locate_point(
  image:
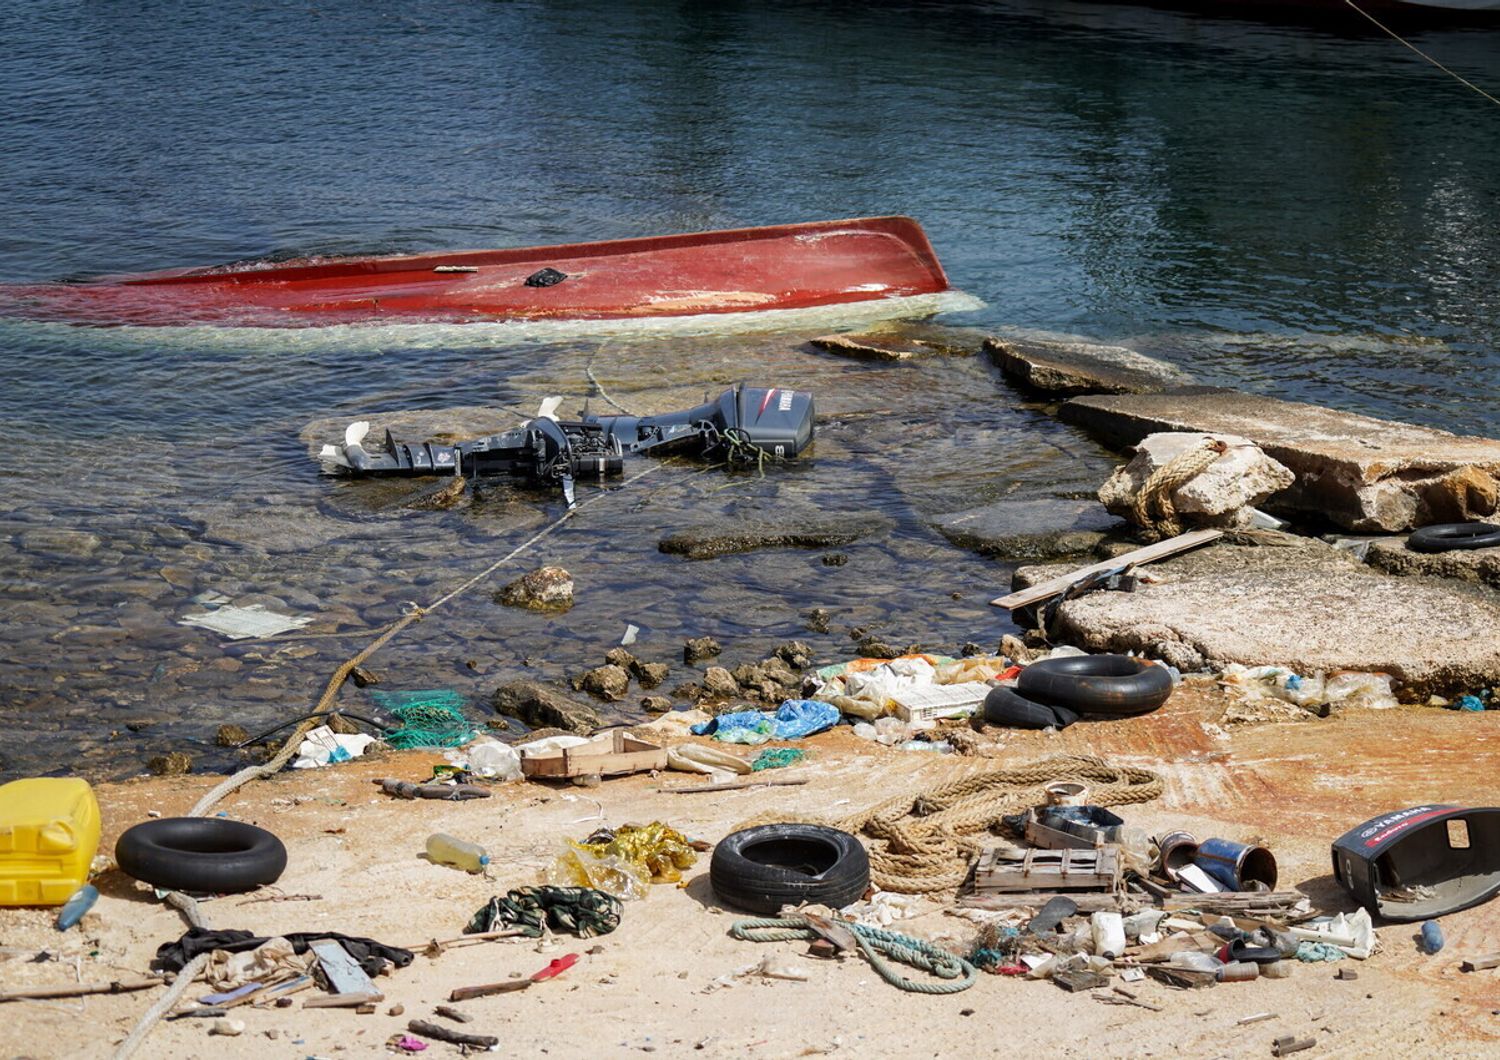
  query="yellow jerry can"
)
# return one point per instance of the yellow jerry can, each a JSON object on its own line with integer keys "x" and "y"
{"x": 49, "y": 831}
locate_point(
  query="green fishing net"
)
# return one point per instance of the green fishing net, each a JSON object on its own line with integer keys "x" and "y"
{"x": 429, "y": 718}
{"x": 777, "y": 758}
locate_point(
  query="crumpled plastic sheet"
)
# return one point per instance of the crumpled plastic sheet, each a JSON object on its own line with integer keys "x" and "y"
{"x": 1346, "y": 688}
{"x": 794, "y": 719}
{"x": 273, "y": 959}
{"x": 624, "y": 862}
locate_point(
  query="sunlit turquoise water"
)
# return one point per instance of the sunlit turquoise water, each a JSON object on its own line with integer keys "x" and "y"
{"x": 1293, "y": 210}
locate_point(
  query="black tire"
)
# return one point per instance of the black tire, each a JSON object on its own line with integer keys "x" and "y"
{"x": 1005, "y": 706}
{"x": 1117, "y": 686}
{"x": 764, "y": 868}
{"x": 207, "y": 854}
{"x": 1448, "y": 537}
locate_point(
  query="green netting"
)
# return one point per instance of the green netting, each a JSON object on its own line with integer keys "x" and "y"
{"x": 429, "y": 718}
{"x": 777, "y": 757}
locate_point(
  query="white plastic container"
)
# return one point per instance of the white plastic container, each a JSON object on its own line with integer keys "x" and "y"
{"x": 1109, "y": 934}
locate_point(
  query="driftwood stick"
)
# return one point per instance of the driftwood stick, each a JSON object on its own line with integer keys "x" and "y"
{"x": 78, "y": 990}
{"x": 433, "y": 947}
{"x": 735, "y": 785}
{"x": 443, "y": 1034}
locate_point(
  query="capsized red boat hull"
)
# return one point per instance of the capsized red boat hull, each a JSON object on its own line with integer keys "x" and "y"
{"x": 735, "y": 270}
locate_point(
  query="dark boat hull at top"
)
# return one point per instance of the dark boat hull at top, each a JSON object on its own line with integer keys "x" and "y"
{"x": 735, "y": 270}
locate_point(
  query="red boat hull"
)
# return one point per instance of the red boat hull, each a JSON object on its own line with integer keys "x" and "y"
{"x": 736, "y": 270}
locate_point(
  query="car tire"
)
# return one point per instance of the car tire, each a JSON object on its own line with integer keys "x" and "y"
{"x": 211, "y": 855}
{"x": 1117, "y": 686}
{"x": 763, "y": 868}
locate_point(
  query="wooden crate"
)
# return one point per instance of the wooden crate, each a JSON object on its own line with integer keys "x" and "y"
{"x": 609, "y": 755}
{"x": 1007, "y": 869}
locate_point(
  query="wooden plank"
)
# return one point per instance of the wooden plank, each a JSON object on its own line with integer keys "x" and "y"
{"x": 1160, "y": 550}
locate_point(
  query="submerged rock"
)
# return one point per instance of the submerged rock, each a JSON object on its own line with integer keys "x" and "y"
{"x": 733, "y": 534}
{"x": 700, "y": 648}
{"x": 1066, "y": 368}
{"x": 544, "y": 589}
{"x": 540, "y": 706}
{"x": 1305, "y": 606}
{"x": 607, "y": 682}
{"x": 1362, "y": 473}
{"x": 901, "y": 342}
{"x": 447, "y": 493}
{"x": 1030, "y": 527}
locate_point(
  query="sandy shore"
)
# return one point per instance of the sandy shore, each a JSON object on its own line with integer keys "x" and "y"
{"x": 656, "y": 984}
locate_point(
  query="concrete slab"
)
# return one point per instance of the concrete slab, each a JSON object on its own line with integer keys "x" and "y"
{"x": 1030, "y": 528}
{"x": 1363, "y": 473}
{"x": 898, "y": 341}
{"x": 1476, "y": 564}
{"x": 1304, "y": 605}
{"x": 1066, "y": 368}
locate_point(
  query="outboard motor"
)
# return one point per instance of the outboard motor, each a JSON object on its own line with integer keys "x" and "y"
{"x": 745, "y": 424}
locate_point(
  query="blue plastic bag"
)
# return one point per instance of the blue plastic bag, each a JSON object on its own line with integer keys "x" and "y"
{"x": 796, "y": 718}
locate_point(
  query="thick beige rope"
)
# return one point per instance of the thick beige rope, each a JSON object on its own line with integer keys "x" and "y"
{"x": 1152, "y": 509}
{"x": 924, "y": 840}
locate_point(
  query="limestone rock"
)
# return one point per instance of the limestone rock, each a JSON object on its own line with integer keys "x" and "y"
{"x": 1030, "y": 528}
{"x": 1364, "y": 474}
{"x": 171, "y": 764}
{"x": 1238, "y": 480}
{"x": 231, "y": 735}
{"x": 540, "y": 706}
{"x": 544, "y": 589}
{"x": 796, "y": 654}
{"x": 63, "y": 544}
{"x": 719, "y": 683}
{"x": 622, "y": 658}
{"x": 447, "y": 493}
{"x": 700, "y": 648}
{"x": 607, "y": 682}
{"x": 1306, "y": 606}
{"x": 656, "y": 704}
{"x": 649, "y": 675}
{"x": 1080, "y": 367}
{"x": 819, "y": 620}
{"x": 733, "y": 534}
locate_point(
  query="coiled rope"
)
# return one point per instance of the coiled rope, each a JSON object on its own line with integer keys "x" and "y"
{"x": 1152, "y": 508}
{"x": 872, "y": 943}
{"x": 924, "y": 840}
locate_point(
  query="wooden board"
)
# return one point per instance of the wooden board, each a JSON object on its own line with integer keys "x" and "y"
{"x": 1160, "y": 550}
{"x": 350, "y": 984}
{"x": 612, "y": 754}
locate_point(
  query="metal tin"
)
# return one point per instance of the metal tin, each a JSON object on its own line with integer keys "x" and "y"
{"x": 1176, "y": 851}
{"x": 1236, "y": 865}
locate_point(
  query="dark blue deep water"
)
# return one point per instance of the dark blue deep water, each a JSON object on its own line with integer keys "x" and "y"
{"x": 1306, "y": 211}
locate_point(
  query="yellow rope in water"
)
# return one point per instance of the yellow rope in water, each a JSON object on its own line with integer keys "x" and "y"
{"x": 1402, "y": 40}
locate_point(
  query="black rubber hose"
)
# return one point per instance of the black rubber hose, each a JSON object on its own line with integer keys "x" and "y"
{"x": 764, "y": 868}
{"x": 1113, "y": 685}
{"x": 211, "y": 855}
{"x": 1450, "y": 537}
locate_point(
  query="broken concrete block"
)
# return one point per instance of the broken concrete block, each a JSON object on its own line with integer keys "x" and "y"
{"x": 1472, "y": 564}
{"x": 1363, "y": 473}
{"x": 1303, "y": 605}
{"x": 901, "y": 342}
{"x": 1065, "y": 368}
{"x": 1221, "y": 495}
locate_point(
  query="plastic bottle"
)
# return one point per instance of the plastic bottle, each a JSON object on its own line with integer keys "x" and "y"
{"x": 445, "y": 850}
{"x": 1195, "y": 961}
{"x": 1239, "y": 972}
{"x": 1432, "y": 936}
{"x": 1277, "y": 970}
{"x": 75, "y": 907}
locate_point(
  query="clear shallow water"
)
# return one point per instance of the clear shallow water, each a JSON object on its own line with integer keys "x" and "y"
{"x": 1284, "y": 209}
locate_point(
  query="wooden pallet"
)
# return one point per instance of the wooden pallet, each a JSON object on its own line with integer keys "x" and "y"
{"x": 1007, "y": 869}
{"x": 609, "y": 755}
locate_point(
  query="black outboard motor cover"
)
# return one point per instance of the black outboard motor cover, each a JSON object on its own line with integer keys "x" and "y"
{"x": 775, "y": 420}
{"x": 1422, "y": 862}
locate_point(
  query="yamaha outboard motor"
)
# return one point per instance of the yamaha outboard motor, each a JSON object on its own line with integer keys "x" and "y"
{"x": 746, "y": 424}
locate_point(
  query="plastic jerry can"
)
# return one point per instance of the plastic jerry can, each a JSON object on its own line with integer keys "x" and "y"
{"x": 49, "y": 832}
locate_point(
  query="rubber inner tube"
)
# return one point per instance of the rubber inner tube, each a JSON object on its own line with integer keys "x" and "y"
{"x": 1112, "y": 685}
{"x": 201, "y": 854}
{"x": 1005, "y": 706}
{"x": 1448, "y": 537}
{"x": 764, "y": 868}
